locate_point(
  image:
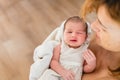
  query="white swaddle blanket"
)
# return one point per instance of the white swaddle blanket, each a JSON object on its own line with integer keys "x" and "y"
{"x": 43, "y": 53}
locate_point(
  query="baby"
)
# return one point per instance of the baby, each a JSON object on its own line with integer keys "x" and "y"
{"x": 71, "y": 57}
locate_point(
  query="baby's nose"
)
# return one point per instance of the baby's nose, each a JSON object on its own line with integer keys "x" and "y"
{"x": 73, "y": 34}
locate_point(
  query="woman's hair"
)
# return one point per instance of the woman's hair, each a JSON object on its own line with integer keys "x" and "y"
{"x": 112, "y": 6}
{"x": 76, "y": 19}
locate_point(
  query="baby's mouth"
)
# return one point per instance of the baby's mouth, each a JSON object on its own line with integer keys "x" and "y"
{"x": 73, "y": 40}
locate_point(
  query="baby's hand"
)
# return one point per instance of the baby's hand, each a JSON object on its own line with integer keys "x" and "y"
{"x": 68, "y": 75}
{"x": 90, "y": 61}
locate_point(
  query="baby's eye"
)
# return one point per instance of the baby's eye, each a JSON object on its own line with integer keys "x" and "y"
{"x": 69, "y": 32}
{"x": 79, "y": 33}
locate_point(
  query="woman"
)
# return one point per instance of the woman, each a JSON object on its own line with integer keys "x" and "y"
{"x": 106, "y": 41}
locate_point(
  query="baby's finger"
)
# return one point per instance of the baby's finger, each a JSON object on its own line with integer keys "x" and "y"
{"x": 91, "y": 54}
{"x": 85, "y": 55}
{"x": 72, "y": 75}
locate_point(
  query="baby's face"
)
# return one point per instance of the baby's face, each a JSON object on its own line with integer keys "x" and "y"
{"x": 74, "y": 34}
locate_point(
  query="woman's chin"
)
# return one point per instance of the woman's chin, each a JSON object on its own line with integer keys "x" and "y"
{"x": 94, "y": 38}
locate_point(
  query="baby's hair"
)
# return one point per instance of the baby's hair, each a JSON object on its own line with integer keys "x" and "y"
{"x": 77, "y": 19}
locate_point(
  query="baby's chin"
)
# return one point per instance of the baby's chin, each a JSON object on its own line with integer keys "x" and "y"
{"x": 73, "y": 46}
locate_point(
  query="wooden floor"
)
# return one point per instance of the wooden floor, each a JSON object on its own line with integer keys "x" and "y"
{"x": 24, "y": 24}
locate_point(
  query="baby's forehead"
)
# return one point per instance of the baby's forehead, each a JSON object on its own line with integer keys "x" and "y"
{"x": 73, "y": 25}
{"x": 82, "y": 23}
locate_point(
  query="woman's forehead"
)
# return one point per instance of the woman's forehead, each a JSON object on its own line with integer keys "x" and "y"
{"x": 105, "y": 19}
